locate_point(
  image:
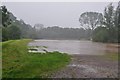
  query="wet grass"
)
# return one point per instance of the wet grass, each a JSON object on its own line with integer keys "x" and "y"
{"x": 112, "y": 56}
{"x": 18, "y": 63}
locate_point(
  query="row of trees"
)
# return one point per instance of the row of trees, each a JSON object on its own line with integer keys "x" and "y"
{"x": 104, "y": 27}
{"x": 11, "y": 28}
{"x": 97, "y": 26}
{"x": 56, "y": 32}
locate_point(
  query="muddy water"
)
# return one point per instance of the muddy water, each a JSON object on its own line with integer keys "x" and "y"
{"x": 75, "y": 46}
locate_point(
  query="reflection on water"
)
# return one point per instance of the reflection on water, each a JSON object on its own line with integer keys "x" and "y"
{"x": 74, "y": 46}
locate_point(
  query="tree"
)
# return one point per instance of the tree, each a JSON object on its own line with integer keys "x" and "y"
{"x": 38, "y": 26}
{"x": 14, "y": 32}
{"x": 119, "y": 14}
{"x": 0, "y": 33}
{"x": 111, "y": 30}
{"x": 90, "y": 19}
{"x": 0, "y": 18}
{"x": 118, "y": 21}
{"x": 100, "y": 34}
{"x": 5, "y": 34}
{"x": 10, "y": 32}
{"x": 108, "y": 16}
{"x": 5, "y": 16}
{"x": 111, "y": 22}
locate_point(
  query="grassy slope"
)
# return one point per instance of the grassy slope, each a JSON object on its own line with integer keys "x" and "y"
{"x": 18, "y": 63}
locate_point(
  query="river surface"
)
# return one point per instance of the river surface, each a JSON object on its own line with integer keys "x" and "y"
{"x": 75, "y": 46}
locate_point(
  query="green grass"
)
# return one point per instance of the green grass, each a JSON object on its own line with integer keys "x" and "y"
{"x": 18, "y": 63}
{"x": 112, "y": 56}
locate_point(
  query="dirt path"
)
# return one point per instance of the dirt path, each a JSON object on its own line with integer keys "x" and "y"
{"x": 88, "y": 66}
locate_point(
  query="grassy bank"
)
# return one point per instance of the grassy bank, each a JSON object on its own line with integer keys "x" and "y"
{"x": 18, "y": 63}
{"x": 112, "y": 56}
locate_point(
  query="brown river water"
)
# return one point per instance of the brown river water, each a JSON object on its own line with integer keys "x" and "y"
{"x": 76, "y": 46}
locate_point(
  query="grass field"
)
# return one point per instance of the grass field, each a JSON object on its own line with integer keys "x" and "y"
{"x": 18, "y": 63}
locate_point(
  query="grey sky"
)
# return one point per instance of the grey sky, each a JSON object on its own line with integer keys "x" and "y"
{"x": 64, "y": 14}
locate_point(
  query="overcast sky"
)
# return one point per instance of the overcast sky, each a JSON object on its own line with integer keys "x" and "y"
{"x": 64, "y": 14}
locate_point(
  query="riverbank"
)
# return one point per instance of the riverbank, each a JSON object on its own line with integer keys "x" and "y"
{"x": 18, "y": 63}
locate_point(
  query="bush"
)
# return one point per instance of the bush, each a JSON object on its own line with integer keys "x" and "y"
{"x": 101, "y": 34}
{"x": 10, "y": 33}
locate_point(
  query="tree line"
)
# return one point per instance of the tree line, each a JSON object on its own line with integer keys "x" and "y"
{"x": 56, "y": 32}
{"x": 96, "y": 26}
{"x": 104, "y": 27}
{"x": 11, "y": 28}
{"x": 18, "y": 29}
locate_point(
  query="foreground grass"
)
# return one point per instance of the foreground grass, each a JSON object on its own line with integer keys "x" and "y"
{"x": 112, "y": 56}
{"x": 18, "y": 63}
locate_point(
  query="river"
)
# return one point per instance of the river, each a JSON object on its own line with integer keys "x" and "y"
{"x": 75, "y": 46}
